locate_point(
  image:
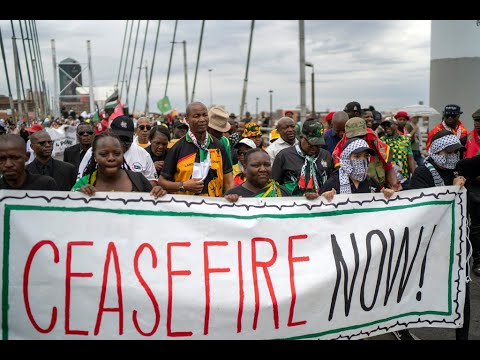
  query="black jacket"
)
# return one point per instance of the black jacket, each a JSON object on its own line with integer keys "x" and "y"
{"x": 73, "y": 155}
{"x": 64, "y": 174}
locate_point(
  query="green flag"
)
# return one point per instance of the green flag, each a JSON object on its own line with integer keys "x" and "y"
{"x": 96, "y": 117}
{"x": 164, "y": 105}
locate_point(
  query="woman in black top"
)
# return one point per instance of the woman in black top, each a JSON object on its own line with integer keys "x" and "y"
{"x": 258, "y": 178}
{"x": 159, "y": 138}
{"x": 107, "y": 170}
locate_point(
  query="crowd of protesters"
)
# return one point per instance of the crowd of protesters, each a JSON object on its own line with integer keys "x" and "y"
{"x": 210, "y": 152}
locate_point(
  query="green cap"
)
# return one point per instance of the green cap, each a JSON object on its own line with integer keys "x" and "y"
{"x": 476, "y": 115}
{"x": 355, "y": 127}
{"x": 313, "y": 130}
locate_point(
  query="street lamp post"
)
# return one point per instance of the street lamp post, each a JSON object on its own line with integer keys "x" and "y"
{"x": 313, "y": 87}
{"x": 256, "y": 108}
{"x": 184, "y": 67}
{"x": 271, "y": 112}
{"x": 210, "y": 76}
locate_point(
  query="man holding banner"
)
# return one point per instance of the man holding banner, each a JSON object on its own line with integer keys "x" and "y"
{"x": 198, "y": 163}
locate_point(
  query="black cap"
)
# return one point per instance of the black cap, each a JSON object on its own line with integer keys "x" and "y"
{"x": 123, "y": 126}
{"x": 353, "y": 106}
{"x": 377, "y": 116}
{"x": 452, "y": 109}
{"x": 180, "y": 123}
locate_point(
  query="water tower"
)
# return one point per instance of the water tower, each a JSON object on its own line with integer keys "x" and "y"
{"x": 455, "y": 66}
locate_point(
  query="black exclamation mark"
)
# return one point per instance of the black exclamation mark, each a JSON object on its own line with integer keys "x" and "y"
{"x": 424, "y": 264}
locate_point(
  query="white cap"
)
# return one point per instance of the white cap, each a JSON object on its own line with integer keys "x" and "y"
{"x": 246, "y": 141}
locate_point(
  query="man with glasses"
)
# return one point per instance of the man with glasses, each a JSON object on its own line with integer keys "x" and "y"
{"x": 12, "y": 166}
{"x": 137, "y": 158}
{"x": 451, "y": 122}
{"x": 74, "y": 154}
{"x": 44, "y": 164}
{"x": 304, "y": 167}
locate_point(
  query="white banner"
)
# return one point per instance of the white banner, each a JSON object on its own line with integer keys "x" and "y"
{"x": 62, "y": 137}
{"x": 126, "y": 266}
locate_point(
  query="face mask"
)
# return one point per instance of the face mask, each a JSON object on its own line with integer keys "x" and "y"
{"x": 359, "y": 171}
{"x": 448, "y": 161}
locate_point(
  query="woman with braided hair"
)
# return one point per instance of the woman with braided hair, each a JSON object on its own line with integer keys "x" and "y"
{"x": 258, "y": 178}
{"x": 108, "y": 171}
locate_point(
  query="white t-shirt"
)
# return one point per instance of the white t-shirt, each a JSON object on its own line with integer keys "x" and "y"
{"x": 277, "y": 146}
{"x": 136, "y": 157}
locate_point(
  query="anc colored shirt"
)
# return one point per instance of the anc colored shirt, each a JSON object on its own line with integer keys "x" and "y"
{"x": 400, "y": 148}
{"x": 181, "y": 157}
{"x": 460, "y": 131}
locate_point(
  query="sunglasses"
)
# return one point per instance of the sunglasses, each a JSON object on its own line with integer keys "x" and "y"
{"x": 143, "y": 127}
{"x": 82, "y": 133}
{"x": 43, "y": 143}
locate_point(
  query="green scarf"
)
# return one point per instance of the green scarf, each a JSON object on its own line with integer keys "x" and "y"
{"x": 271, "y": 189}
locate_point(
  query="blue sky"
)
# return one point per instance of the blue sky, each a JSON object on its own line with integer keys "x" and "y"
{"x": 384, "y": 63}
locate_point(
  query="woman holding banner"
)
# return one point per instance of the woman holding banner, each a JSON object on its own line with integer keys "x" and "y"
{"x": 108, "y": 171}
{"x": 351, "y": 176}
{"x": 258, "y": 178}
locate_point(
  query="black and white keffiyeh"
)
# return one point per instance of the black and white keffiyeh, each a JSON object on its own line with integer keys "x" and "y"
{"x": 447, "y": 161}
{"x": 357, "y": 169}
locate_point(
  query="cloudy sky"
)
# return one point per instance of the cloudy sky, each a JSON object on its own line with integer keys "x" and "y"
{"x": 384, "y": 63}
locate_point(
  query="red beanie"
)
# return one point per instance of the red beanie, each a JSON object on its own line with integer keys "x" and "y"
{"x": 329, "y": 116}
{"x": 403, "y": 114}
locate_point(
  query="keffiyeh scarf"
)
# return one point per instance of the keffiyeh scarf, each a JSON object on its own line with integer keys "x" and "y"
{"x": 447, "y": 161}
{"x": 308, "y": 179}
{"x": 356, "y": 169}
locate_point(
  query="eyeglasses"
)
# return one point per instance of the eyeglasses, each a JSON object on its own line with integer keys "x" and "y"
{"x": 241, "y": 153}
{"x": 82, "y": 133}
{"x": 142, "y": 127}
{"x": 43, "y": 143}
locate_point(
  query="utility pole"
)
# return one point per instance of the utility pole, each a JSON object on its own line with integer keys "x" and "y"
{"x": 151, "y": 69}
{"x": 34, "y": 91}
{"x": 245, "y": 81}
{"x": 10, "y": 98}
{"x": 121, "y": 56}
{"x": 301, "y": 28}
{"x": 34, "y": 68}
{"x": 271, "y": 111}
{"x": 14, "y": 38}
{"x": 256, "y": 108}
{"x": 313, "y": 88}
{"x": 198, "y": 61}
{"x": 171, "y": 55}
{"x": 210, "y": 77}
{"x": 140, "y": 67}
{"x": 147, "y": 110}
{"x": 17, "y": 79}
{"x": 90, "y": 75}
{"x": 56, "y": 102}
{"x": 184, "y": 68}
